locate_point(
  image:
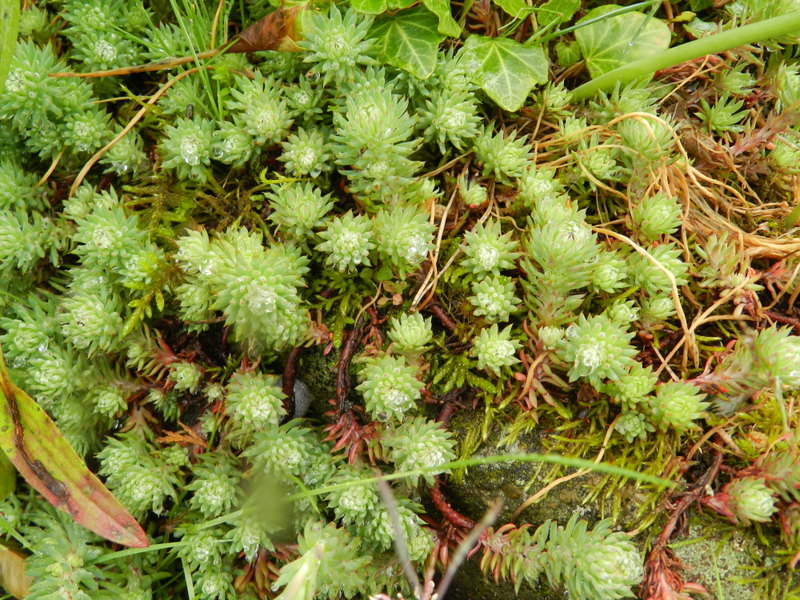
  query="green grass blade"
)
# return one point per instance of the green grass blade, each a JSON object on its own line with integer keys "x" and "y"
{"x": 9, "y": 26}
{"x": 557, "y": 459}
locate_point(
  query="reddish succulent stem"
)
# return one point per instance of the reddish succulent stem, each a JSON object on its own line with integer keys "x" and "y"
{"x": 688, "y": 499}
{"x": 225, "y": 332}
{"x": 446, "y": 413}
{"x": 289, "y": 376}
{"x": 375, "y": 321}
{"x": 786, "y": 320}
{"x": 662, "y": 579}
{"x": 449, "y": 404}
{"x": 351, "y": 339}
{"x": 451, "y": 514}
{"x": 440, "y": 313}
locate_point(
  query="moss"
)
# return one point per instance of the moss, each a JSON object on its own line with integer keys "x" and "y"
{"x": 471, "y": 584}
{"x": 514, "y": 482}
{"x": 729, "y": 561}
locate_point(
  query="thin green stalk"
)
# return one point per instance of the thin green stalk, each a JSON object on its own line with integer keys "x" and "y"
{"x": 187, "y": 575}
{"x": 567, "y": 461}
{"x": 719, "y": 42}
{"x": 106, "y": 558}
{"x": 111, "y": 556}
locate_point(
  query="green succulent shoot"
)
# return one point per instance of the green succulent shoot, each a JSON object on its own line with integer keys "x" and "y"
{"x": 677, "y": 405}
{"x": 744, "y": 500}
{"x": 494, "y": 298}
{"x": 187, "y": 148}
{"x": 537, "y": 183}
{"x": 495, "y": 349}
{"x": 411, "y": 334}
{"x": 633, "y": 425}
{"x": 419, "y": 444}
{"x": 751, "y": 500}
{"x": 472, "y": 193}
{"x": 504, "y": 157}
{"x": 403, "y": 236}
{"x": 257, "y": 288}
{"x": 598, "y": 349}
{"x": 254, "y": 401}
{"x": 306, "y": 153}
{"x": 591, "y": 563}
{"x": 259, "y": 109}
{"x": 298, "y": 209}
{"x": 390, "y": 387}
{"x": 487, "y": 250}
{"x": 649, "y": 140}
{"x": 347, "y": 241}
{"x": 336, "y": 45}
{"x": 723, "y": 116}
{"x": 656, "y": 216}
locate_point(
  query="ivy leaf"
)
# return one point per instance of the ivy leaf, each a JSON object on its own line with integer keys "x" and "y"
{"x": 620, "y": 39}
{"x": 371, "y": 7}
{"x": 35, "y": 446}
{"x": 559, "y": 11}
{"x": 506, "y": 70}
{"x": 516, "y": 8}
{"x": 447, "y": 24}
{"x": 9, "y": 25}
{"x": 376, "y": 7}
{"x": 409, "y": 40}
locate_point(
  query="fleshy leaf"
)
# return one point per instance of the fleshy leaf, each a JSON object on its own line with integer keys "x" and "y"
{"x": 447, "y": 24}
{"x": 49, "y": 464}
{"x": 621, "y": 39}
{"x": 12, "y": 573}
{"x": 506, "y": 70}
{"x": 409, "y": 40}
{"x": 9, "y": 25}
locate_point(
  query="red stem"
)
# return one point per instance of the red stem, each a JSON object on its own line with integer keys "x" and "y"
{"x": 289, "y": 376}
{"x": 351, "y": 339}
{"x": 451, "y": 514}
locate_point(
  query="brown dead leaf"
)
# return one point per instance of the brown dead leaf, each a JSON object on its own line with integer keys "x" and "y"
{"x": 276, "y": 31}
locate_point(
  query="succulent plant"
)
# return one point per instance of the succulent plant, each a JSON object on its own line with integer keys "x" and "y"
{"x": 410, "y": 333}
{"x": 390, "y": 387}
{"x": 744, "y": 500}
